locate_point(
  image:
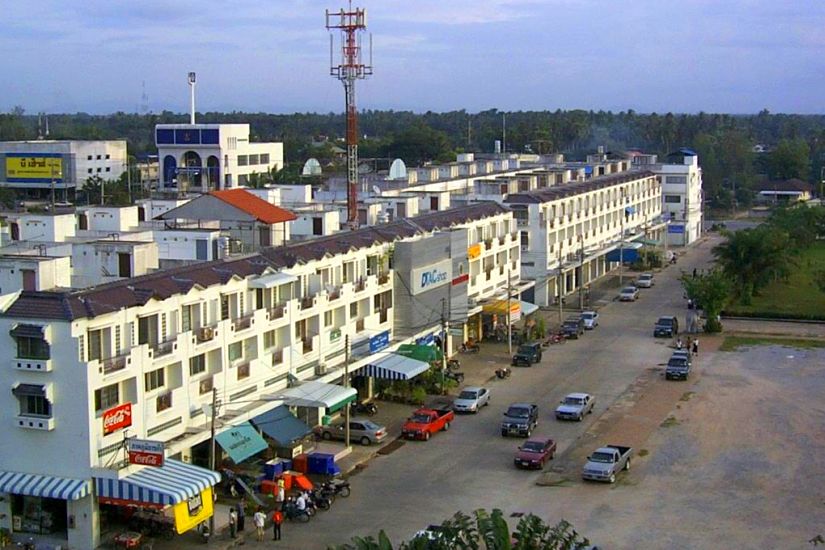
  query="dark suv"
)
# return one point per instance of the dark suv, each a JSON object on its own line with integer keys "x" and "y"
{"x": 573, "y": 327}
{"x": 520, "y": 419}
{"x": 667, "y": 326}
{"x": 527, "y": 354}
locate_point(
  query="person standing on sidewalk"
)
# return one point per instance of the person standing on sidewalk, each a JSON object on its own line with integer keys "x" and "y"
{"x": 233, "y": 523}
{"x": 281, "y": 494}
{"x": 241, "y": 509}
{"x": 696, "y": 347}
{"x": 277, "y": 520}
{"x": 260, "y": 519}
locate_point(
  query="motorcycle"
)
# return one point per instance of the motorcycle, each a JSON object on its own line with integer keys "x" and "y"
{"x": 503, "y": 372}
{"x": 204, "y": 532}
{"x": 453, "y": 364}
{"x": 457, "y": 376}
{"x": 292, "y": 513}
{"x": 359, "y": 407}
{"x": 338, "y": 487}
{"x": 321, "y": 500}
{"x": 469, "y": 347}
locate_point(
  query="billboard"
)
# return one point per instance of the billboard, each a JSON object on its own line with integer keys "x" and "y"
{"x": 145, "y": 452}
{"x": 34, "y": 167}
{"x": 430, "y": 277}
{"x": 117, "y": 418}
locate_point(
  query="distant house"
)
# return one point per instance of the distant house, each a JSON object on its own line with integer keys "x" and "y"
{"x": 784, "y": 191}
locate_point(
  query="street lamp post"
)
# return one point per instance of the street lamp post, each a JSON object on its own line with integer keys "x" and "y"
{"x": 621, "y": 241}
{"x": 581, "y": 273}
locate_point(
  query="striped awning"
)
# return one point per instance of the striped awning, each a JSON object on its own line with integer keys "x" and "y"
{"x": 35, "y": 485}
{"x": 391, "y": 366}
{"x": 172, "y": 483}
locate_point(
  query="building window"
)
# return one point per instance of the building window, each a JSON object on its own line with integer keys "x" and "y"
{"x": 99, "y": 169}
{"x": 35, "y": 405}
{"x": 108, "y": 157}
{"x": 243, "y": 179}
{"x": 243, "y": 371}
{"x": 353, "y": 310}
{"x": 89, "y": 157}
{"x": 525, "y": 240}
{"x": 676, "y": 179}
{"x": 108, "y": 169}
{"x": 107, "y": 397}
{"x": 32, "y": 348}
{"x": 90, "y": 170}
{"x": 327, "y": 318}
{"x": 224, "y": 307}
{"x": 265, "y": 158}
{"x": 197, "y": 364}
{"x": 186, "y": 318}
{"x": 673, "y": 199}
{"x": 243, "y": 160}
{"x": 164, "y": 402}
{"x": 95, "y": 345}
{"x": 205, "y": 386}
{"x": 98, "y": 157}
{"x": 269, "y": 339}
{"x": 253, "y": 160}
{"x": 235, "y": 351}
{"x": 154, "y": 379}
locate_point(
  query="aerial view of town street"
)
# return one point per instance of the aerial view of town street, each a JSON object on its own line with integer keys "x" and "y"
{"x": 412, "y": 275}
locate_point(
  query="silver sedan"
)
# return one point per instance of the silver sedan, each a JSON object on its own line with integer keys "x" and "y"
{"x": 471, "y": 399}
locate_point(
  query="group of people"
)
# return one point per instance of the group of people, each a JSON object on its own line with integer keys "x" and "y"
{"x": 237, "y": 520}
{"x": 692, "y": 345}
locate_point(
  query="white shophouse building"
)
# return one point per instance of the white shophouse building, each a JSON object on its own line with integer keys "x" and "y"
{"x": 681, "y": 179}
{"x": 141, "y": 358}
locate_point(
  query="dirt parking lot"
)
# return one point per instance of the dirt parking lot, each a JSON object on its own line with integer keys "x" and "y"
{"x": 739, "y": 463}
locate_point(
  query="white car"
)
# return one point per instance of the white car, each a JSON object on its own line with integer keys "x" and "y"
{"x": 575, "y": 406}
{"x": 645, "y": 280}
{"x": 591, "y": 319}
{"x": 471, "y": 399}
{"x": 629, "y": 294}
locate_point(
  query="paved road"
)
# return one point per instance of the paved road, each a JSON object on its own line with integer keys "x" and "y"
{"x": 470, "y": 466}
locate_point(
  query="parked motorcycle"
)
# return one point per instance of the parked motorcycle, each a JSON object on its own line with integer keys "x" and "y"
{"x": 321, "y": 499}
{"x": 292, "y": 513}
{"x": 453, "y": 364}
{"x": 204, "y": 532}
{"x": 503, "y": 372}
{"x": 469, "y": 347}
{"x": 339, "y": 487}
{"x": 457, "y": 376}
{"x": 359, "y": 407}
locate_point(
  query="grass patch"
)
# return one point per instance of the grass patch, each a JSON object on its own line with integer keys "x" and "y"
{"x": 669, "y": 422}
{"x": 797, "y": 298}
{"x": 643, "y": 453}
{"x": 687, "y": 395}
{"x": 734, "y": 343}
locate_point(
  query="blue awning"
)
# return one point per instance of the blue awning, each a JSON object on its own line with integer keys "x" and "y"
{"x": 241, "y": 442}
{"x": 281, "y": 425}
{"x": 169, "y": 484}
{"x": 35, "y": 485}
{"x": 391, "y": 366}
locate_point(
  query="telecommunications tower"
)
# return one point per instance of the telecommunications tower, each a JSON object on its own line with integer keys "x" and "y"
{"x": 349, "y": 69}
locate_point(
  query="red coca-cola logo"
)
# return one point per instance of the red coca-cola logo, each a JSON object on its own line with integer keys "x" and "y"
{"x": 146, "y": 459}
{"x": 117, "y": 418}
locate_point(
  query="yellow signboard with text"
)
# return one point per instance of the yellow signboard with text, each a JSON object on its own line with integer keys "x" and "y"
{"x": 43, "y": 167}
{"x": 474, "y": 251}
{"x": 190, "y": 513}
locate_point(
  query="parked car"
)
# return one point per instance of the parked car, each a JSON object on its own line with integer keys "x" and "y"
{"x": 573, "y": 327}
{"x": 362, "y": 430}
{"x": 535, "y": 453}
{"x": 645, "y": 280}
{"x": 678, "y": 368}
{"x": 520, "y": 419}
{"x": 471, "y": 399}
{"x": 684, "y": 354}
{"x": 425, "y": 422}
{"x": 591, "y": 319}
{"x": 667, "y": 325}
{"x": 605, "y": 463}
{"x": 629, "y": 294}
{"x": 527, "y": 354}
{"x": 575, "y": 406}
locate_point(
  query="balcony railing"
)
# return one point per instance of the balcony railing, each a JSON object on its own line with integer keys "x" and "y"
{"x": 275, "y": 312}
{"x": 242, "y": 323}
{"x": 205, "y": 334}
{"x": 277, "y": 357}
{"x": 488, "y": 244}
{"x": 307, "y": 302}
{"x": 164, "y": 402}
{"x": 334, "y": 294}
{"x": 502, "y": 240}
{"x": 383, "y": 278}
{"x": 307, "y": 345}
{"x": 114, "y": 364}
{"x": 359, "y": 325}
{"x": 360, "y": 285}
{"x": 163, "y": 348}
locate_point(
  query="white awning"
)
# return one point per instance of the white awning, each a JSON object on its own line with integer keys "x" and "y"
{"x": 392, "y": 366}
{"x": 272, "y": 280}
{"x": 317, "y": 394}
{"x": 527, "y": 308}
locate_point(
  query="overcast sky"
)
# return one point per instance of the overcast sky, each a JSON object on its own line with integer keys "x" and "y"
{"x": 736, "y": 56}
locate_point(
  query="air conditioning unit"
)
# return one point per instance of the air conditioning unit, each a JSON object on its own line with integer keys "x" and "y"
{"x": 206, "y": 333}
{"x": 320, "y": 369}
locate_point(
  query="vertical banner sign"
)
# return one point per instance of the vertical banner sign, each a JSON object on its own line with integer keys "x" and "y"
{"x": 117, "y": 418}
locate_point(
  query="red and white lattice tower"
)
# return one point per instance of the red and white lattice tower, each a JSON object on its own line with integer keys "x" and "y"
{"x": 349, "y": 69}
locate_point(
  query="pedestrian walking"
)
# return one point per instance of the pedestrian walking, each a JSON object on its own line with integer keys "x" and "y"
{"x": 694, "y": 272}
{"x": 277, "y": 520}
{"x": 233, "y": 523}
{"x": 279, "y": 499}
{"x": 260, "y": 519}
{"x": 679, "y": 343}
{"x": 689, "y": 345}
{"x": 241, "y": 508}
{"x": 696, "y": 347}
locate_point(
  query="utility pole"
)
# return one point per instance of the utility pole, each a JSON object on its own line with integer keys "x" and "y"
{"x": 348, "y": 70}
{"x": 621, "y": 242}
{"x": 53, "y": 191}
{"x": 129, "y": 180}
{"x": 558, "y": 286}
{"x": 509, "y": 319}
{"x": 443, "y": 341}
{"x": 581, "y": 273}
{"x": 346, "y": 385}
{"x": 212, "y": 446}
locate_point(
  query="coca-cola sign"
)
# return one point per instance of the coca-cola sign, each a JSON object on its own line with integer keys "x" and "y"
{"x": 145, "y": 452}
{"x": 117, "y": 418}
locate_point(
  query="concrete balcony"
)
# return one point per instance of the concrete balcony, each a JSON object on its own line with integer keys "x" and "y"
{"x": 243, "y": 323}
{"x": 306, "y": 303}
{"x": 383, "y": 278}
{"x": 276, "y": 312}
{"x": 205, "y": 334}
{"x": 32, "y": 365}
{"x": 162, "y": 349}
{"x": 114, "y": 364}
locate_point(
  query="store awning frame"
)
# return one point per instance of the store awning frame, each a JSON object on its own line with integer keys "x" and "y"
{"x": 169, "y": 484}
{"x": 312, "y": 393}
{"x": 281, "y": 425}
{"x": 36, "y": 485}
{"x": 391, "y": 366}
{"x": 241, "y": 441}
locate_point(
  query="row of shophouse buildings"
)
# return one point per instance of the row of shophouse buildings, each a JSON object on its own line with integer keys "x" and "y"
{"x": 98, "y": 379}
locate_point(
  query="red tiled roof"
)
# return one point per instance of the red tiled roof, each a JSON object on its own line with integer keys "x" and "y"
{"x": 254, "y": 206}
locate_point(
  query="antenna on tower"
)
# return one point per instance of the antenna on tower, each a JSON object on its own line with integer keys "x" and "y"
{"x": 191, "y": 98}
{"x": 39, "y": 125}
{"x": 349, "y": 69}
{"x": 144, "y": 100}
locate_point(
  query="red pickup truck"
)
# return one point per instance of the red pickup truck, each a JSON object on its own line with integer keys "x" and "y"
{"x": 425, "y": 422}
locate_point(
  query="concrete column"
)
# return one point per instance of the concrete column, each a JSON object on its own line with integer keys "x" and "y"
{"x": 85, "y": 514}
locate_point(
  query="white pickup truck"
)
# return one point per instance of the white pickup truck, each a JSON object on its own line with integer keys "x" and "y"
{"x": 606, "y": 462}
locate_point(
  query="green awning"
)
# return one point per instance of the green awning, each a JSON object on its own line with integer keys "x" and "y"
{"x": 428, "y": 354}
{"x": 648, "y": 242}
{"x": 241, "y": 442}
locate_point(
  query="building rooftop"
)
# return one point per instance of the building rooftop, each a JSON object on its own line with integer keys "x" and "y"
{"x": 253, "y": 205}
{"x": 792, "y": 185}
{"x": 575, "y": 188}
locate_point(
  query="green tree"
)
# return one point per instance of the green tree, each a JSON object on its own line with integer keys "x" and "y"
{"x": 712, "y": 290}
{"x": 789, "y": 160}
{"x": 752, "y": 258}
{"x": 483, "y": 530}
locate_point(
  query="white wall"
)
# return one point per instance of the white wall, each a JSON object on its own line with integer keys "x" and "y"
{"x": 182, "y": 244}
{"x": 44, "y": 228}
{"x": 110, "y": 218}
{"x": 49, "y": 273}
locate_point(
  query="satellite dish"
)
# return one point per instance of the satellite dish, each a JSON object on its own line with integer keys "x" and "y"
{"x": 311, "y": 168}
{"x": 398, "y": 170}
{"x": 376, "y": 190}
{"x": 364, "y": 168}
